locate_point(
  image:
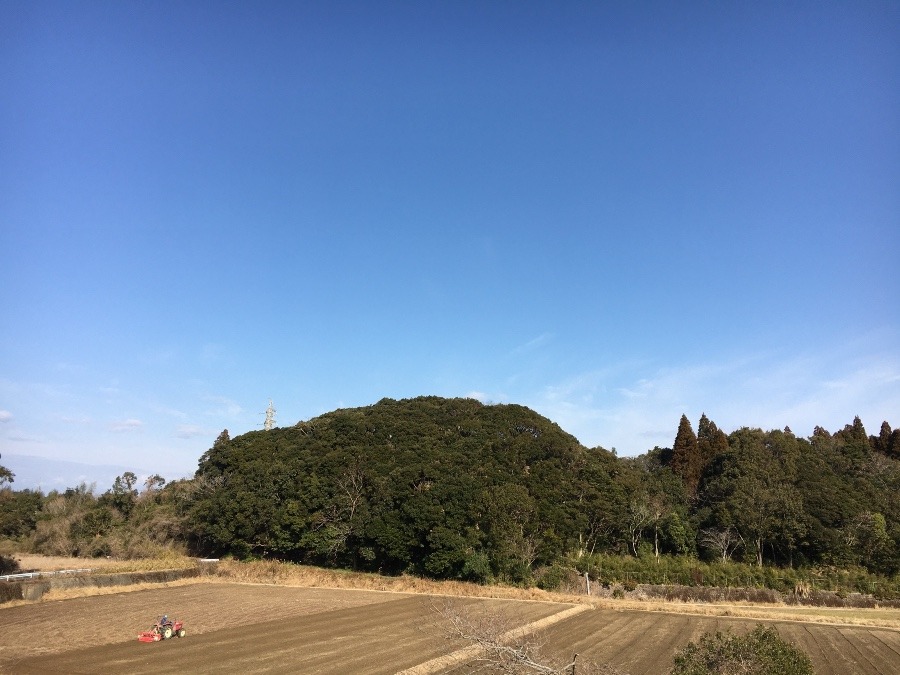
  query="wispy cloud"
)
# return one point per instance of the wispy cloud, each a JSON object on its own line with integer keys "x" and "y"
{"x": 111, "y": 388}
{"x": 5, "y": 416}
{"x": 75, "y": 419}
{"x": 171, "y": 412}
{"x": 192, "y": 431}
{"x": 637, "y": 408}
{"x": 533, "y": 344}
{"x": 126, "y": 425}
{"x": 224, "y": 407}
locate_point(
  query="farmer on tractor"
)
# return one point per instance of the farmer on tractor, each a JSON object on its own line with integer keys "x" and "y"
{"x": 163, "y": 629}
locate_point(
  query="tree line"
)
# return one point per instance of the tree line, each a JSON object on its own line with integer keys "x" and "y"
{"x": 455, "y": 489}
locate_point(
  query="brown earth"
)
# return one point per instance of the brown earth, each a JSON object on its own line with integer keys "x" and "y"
{"x": 645, "y": 642}
{"x": 248, "y": 628}
{"x": 252, "y": 628}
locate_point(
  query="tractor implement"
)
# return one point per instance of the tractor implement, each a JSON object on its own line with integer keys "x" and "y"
{"x": 163, "y": 629}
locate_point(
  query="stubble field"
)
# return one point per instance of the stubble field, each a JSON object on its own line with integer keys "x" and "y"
{"x": 257, "y": 628}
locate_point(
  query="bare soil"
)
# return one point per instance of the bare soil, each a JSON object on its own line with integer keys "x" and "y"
{"x": 645, "y": 642}
{"x": 255, "y": 628}
{"x": 246, "y": 628}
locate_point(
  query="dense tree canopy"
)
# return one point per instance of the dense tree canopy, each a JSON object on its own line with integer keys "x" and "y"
{"x": 448, "y": 488}
{"x": 453, "y": 488}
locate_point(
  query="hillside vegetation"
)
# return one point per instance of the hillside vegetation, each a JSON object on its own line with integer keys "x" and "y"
{"x": 455, "y": 489}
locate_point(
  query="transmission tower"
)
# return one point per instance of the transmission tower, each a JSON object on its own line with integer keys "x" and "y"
{"x": 269, "y": 424}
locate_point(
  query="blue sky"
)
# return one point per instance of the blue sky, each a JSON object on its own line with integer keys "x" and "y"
{"x": 613, "y": 213}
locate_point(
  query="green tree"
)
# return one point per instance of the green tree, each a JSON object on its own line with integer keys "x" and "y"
{"x": 853, "y": 442}
{"x": 760, "y": 652}
{"x": 687, "y": 462}
{"x": 603, "y": 485}
{"x": 154, "y": 484}
{"x": 866, "y": 535}
{"x": 750, "y": 492}
{"x": 711, "y": 441}
{"x": 58, "y": 522}
{"x": 887, "y": 442}
{"x": 6, "y": 476}
{"x": 19, "y": 511}
{"x": 123, "y": 494}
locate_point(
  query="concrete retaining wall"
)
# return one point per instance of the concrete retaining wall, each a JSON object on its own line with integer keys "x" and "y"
{"x": 33, "y": 590}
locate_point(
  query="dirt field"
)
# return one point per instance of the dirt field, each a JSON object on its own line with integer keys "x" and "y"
{"x": 644, "y": 642}
{"x": 252, "y": 628}
{"x": 237, "y": 627}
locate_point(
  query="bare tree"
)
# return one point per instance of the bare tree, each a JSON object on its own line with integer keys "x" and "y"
{"x": 337, "y": 522}
{"x": 154, "y": 484}
{"x": 639, "y": 516}
{"x": 723, "y": 542}
{"x": 498, "y": 643}
{"x": 658, "y": 509}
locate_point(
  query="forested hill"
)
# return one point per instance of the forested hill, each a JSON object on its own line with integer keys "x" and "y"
{"x": 448, "y": 487}
{"x": 455, "y": 488}
{"x": 452, "y": 488}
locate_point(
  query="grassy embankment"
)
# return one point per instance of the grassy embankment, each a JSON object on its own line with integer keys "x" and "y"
{"x": 270, "y": 572}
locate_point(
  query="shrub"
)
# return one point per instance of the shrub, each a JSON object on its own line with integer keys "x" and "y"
{"x": 8, "y": 565}
{"x": 558, "y": 578}
{"x": 686, "y": 571}
{"x": 477, "y": 568}
{"x": 760, "y": 652}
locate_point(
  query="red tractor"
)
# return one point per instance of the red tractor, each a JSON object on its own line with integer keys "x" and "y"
{"x": 163, "y": 629}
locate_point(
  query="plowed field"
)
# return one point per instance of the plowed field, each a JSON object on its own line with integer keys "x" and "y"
{"x": 276, "y": 629}
{"x": 644, "y": 642}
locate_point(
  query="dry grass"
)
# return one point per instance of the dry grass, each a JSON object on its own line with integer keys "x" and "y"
{"x": 46, "y": 563}
{"x": 91, "y": 591}
{"x": 286, "y": 574}
{"x": 270, "y": 572}
{"x": 882, "y": 618}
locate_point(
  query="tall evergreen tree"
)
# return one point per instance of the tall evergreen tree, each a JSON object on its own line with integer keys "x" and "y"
{"x": 711, "y": 440}
{"x": 893, "y": 446}
{"x": 686, "y": 460}
{"x": 854, "y": 443}
{"x": 887, "y": 441}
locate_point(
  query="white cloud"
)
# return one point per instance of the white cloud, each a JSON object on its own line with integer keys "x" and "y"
{"x": 172, "y": 412}
{"x": 5, "y": 416}
{"x": 79, "y": 419}
{"x": 126, "y": 425}
{"x": 635, "y": 408}
{"x": 192, "y": 431}
{"x": 225, "y": 407}
{"x": 533, "y": 344}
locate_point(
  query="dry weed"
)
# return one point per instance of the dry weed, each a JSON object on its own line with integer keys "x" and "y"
{"x": 44, "y": 563}
{"x": 288, "y": 574}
